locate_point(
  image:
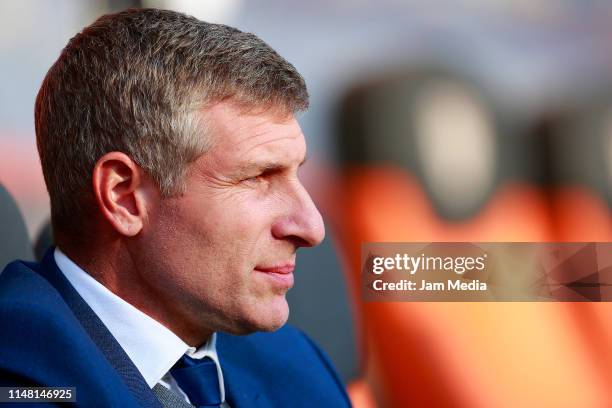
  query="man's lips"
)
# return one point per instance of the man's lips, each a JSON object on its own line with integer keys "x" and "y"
{"x": 281, "y": 269}
{"x": 281, "y": 274}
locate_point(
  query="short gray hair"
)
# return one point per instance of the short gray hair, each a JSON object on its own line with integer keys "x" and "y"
{"x": 133, "y": 82}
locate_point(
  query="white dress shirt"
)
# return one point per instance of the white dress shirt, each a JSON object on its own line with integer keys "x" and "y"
{"x": 152, "y": 347}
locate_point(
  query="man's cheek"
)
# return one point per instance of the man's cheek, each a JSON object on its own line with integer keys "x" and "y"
{"x": 249, "y": 218}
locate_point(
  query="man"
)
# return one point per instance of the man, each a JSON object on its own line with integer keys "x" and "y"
{"x": 170, "y": 151}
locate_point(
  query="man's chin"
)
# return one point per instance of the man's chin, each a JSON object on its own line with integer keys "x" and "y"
{"x": 264, "y": 319}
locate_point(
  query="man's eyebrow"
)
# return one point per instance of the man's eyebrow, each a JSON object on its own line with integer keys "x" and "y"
{"x": 266, "y": 167}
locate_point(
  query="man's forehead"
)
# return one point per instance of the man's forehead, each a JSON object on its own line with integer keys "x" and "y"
{"x": 255, "y": 139}
{"x": 263, "y": 153}
{"x": 229, "y": 117}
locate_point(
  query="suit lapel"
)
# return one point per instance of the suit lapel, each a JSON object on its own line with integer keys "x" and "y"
{"x": 98, "y": 333}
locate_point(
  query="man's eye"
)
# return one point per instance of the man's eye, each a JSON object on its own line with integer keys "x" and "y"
{"x": 261, "y": 178}
{"x": 255, "y": 179}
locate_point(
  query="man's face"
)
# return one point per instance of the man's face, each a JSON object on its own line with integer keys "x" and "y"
{"x": 222, "y": 254}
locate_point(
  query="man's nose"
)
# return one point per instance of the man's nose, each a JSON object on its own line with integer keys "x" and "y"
{"x": 302, "y": 223}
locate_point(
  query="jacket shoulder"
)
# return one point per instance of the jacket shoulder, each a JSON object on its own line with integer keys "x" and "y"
{"x": 30, "y": 306}
{"x": 21, "y": 284}
{"x": 43, "y": 343}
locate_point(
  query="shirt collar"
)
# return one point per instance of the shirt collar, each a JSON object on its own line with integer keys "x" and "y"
{"x": 151, "y": 346}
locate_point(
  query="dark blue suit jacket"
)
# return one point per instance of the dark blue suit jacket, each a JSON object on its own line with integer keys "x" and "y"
{"x": 49, "y": 336}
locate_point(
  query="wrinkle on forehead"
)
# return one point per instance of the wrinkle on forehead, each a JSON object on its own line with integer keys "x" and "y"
{"x": 229, "y": 118}
{"x": 266, "y": 136}
{"x": 271, "y": 143}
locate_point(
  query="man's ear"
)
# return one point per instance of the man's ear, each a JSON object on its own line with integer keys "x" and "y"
{"x": 119, "y": 185}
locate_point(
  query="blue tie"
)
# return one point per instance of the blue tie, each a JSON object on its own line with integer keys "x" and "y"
{"x": 199, "y": 380}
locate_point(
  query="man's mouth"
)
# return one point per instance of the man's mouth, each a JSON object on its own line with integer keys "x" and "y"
{"x": 281, "y": 274}
{"x": 280, "y": 268}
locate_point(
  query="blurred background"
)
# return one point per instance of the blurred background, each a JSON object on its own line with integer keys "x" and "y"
{"x": 465, "y": 120}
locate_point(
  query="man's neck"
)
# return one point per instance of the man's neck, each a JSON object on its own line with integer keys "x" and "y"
{"x": 117, "y": 271}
